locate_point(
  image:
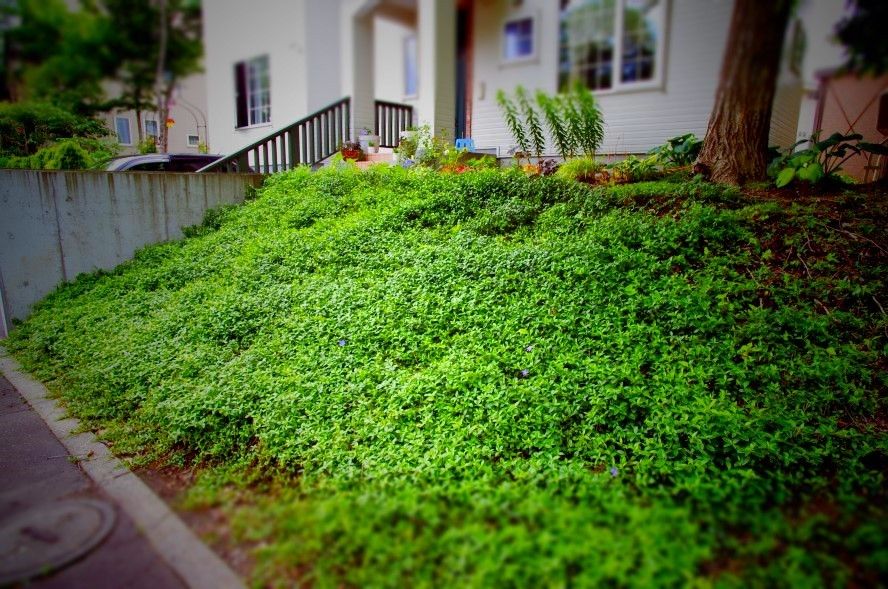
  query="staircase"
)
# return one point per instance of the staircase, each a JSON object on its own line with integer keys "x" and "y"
{"x": 311, "y": 140}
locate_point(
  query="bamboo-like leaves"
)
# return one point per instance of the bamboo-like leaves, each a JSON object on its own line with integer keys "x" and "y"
{"x": 573, "y": 120}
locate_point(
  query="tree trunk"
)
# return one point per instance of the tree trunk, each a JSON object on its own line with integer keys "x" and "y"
{"x": 163, "y": 98}
{"x": 736, "y": 143}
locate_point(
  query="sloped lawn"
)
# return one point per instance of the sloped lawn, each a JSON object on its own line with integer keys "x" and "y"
{"x": 406, "y": 379}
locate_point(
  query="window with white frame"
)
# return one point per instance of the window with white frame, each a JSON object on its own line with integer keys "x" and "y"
{"x": 611, "y": 44}
{"x": 151, "y": 129}
{"x": 252, "y": 91}
{"x": 193, "y": 141}
{"x": 122, "y": 126}
{"x": 518, "y": 41}
{"x": 411, "y": 77}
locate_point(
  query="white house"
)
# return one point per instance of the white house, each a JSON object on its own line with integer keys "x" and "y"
{"x": 653, "y": 64}
{"x": 188, "y": 130}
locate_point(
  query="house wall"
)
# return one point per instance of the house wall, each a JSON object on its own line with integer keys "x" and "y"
{"x": 56, "y": 225}
{"x": 635, "y": 121}
{"x": 189, "y": 111}
{"x": 234, "y": 31}
{"x": 388, "y": 60}
{"x": 323, "y": 84}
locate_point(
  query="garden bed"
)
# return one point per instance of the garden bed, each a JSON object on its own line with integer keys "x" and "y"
{"x": 405, "y": 378}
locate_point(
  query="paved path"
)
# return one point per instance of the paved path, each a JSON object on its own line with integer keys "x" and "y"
{"x": 36, "y": 469}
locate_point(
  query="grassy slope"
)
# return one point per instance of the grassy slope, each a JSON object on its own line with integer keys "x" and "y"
{"x": 702, "y": 397}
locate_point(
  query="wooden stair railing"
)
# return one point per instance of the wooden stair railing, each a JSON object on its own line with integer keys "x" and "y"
{"x": 391, "y": 119}
{"x": 308, "y": 141}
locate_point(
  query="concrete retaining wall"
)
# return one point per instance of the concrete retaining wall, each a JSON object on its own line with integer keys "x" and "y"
{"x": 56, "y": 225}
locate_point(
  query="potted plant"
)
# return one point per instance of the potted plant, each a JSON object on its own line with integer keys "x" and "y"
{"x": 368, "y": 140}
{"x": 351, "y": 150}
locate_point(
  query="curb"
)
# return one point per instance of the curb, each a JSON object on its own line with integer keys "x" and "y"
{"x": 174, "y": 541}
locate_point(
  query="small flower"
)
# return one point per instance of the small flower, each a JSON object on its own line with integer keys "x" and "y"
{"x": 341, "y": 343}
{"x": 614, "y": 471}
{"x": 529, "y": 348}
{"x": 525, "y": 373}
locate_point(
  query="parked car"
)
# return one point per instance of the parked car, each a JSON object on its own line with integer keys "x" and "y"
{"x": 161, "y": 162}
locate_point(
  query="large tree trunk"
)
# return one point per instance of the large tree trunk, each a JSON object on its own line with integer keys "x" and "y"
{"x": 736, "y": 144}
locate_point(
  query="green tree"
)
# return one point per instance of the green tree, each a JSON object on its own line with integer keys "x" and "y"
{"x": 158, "y": 43}
{"x": 59, "y": 56}
{"x": 865, "y": 40}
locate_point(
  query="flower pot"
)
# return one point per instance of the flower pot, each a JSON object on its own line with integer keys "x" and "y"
{"x": 369, "y": 143}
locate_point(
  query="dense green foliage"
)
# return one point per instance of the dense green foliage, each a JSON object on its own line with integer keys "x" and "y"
{"x": 75, "y": 153}
{"x": 681, "y": 150}
{"x": 25, "y": 127}
{"x": 488, "y": 379}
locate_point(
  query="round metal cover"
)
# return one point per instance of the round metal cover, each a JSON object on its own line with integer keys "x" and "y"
{"x": 47, "y": 537}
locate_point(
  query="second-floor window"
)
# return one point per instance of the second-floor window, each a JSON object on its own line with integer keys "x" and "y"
{"x": 122, "y": 126}
{"x": 252, "y": 91}
{"x": 611, "y": 44}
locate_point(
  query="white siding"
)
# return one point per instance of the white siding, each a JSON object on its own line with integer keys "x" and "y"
{"x": 635, "y": 121}
{"x": 388, "y": 60}
{"x": 235, "y": 31}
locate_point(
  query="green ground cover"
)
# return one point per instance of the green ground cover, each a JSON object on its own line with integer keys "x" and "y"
{"x": 404, "y": 378}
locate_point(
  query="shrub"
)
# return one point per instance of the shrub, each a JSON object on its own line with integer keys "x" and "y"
{"x": 820, "y": 162}
{"x": 574, "y": 121}
{"x": 26, "y": 126}
{"x": 583, "y": 169}
{"x": 679, "y": 151}
{"x": 635, "y": 169}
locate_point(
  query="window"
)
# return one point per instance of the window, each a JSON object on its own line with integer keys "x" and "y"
{"x": 193, "y": 140}
{"x": 518, "y": 39}
{"x": 151, "y": 129}
{"x": 411, "y": 79}
{"x": 122, "y": 125}
{"x": 611, "y": 44}
{"x": 252, "y": 92}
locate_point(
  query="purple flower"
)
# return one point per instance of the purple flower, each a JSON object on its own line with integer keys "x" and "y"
{"x": 529, "y": 348}
{"x": 341, "y": 343}
{"x": 614, "y": 471}
{"x": 525, "y": 373}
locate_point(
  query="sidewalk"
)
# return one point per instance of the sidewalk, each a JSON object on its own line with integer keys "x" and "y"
{"x": 63, "y": 495}
{"x": 37, "y": 471}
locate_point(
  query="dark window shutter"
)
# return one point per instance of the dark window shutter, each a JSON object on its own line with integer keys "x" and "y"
{"x": 240, "y": 93}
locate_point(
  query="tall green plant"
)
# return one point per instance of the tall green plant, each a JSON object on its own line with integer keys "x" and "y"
{"x": 555, "y": 111}
{"x": 534, "y": 127}
{"x": 510, "y": 114}
{"x": 588, "y": 125}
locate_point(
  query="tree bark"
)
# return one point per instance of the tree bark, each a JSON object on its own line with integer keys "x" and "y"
{"x": 736, "y": 143}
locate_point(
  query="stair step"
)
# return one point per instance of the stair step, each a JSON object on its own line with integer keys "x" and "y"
{"x": 381, "y": 157}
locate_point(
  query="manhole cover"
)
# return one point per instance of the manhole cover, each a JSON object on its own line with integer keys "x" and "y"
{"x": 47, "y": 537}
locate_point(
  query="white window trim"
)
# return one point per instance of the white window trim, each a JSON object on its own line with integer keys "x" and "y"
{"x": 188, "y": 140}
{"x": 534, "y": 56}
{"x": 129, "y": 127}
{"x": 658, "y": 82}
{"x": 250, "y": 97}
{"x": 147, "y": 133}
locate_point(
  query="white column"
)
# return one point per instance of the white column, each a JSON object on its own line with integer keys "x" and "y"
{"x": 436, "y": 38}
{"x": 357, "y": 63}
